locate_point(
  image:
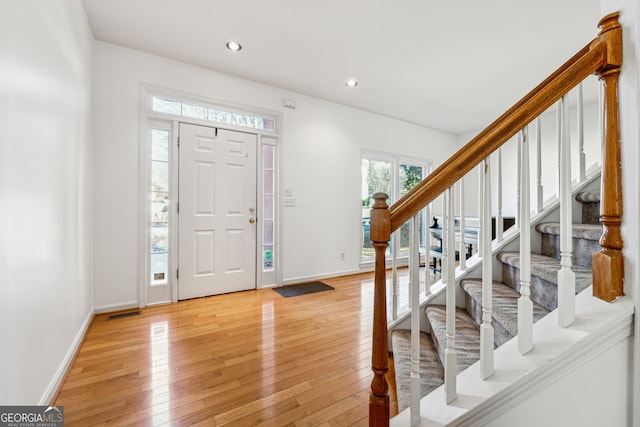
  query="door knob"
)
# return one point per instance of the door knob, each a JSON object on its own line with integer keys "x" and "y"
{"x": 252, "y": 220}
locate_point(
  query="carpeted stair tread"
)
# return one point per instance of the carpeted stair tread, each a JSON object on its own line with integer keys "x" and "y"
{"x": 547, "y": 268}
{"x": 588, "y": 197}
{"x": 579, "y": 231}
{"x": 430, "y": 368}
{"x": 505, "y": 308}
{"x": 544, "y": 282}
{"x": 467, "y": 340}
{"x": 544, "y": 277}
{"x": 584, "y": 243}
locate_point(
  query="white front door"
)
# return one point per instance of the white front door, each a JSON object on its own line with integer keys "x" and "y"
{"x": 217, "y": 211}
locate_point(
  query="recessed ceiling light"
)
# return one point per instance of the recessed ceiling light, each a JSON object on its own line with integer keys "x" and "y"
{"x": 234, "y": 46}
{"x": 351, "y": 83}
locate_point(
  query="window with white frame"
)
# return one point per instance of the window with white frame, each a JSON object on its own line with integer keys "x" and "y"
{"x": 394, "y": 176}
{"x": 268, "y": 206}
{"x": 159, "y": 197}
{"x": 212, "y": 113}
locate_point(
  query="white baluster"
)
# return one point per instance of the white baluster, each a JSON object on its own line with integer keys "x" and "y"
{"x": 444, "y": 241}
{"x": 480, "y": 207}
{"x": 463, "y": 245}
{"x": 566, "y": 277}
{"x": 395, "y": 286}
{"x": 427, "y": 244}
{"x": 518, "y": 169}
{"x": 499, "y": 221}
{"x": 525, "y": 306}
{"x": 486, "y": 329}
{"x": 539, "y": 187}
{"x": 414, "y": 273}
{"x": 450, "y": 352}
{"x": 580, "y": 135}
{"x": 559, "y": 139}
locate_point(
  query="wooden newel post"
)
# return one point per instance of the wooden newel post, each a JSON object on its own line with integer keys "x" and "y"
{"x": 380, "y": 235}
{"x": 608, "y": 264}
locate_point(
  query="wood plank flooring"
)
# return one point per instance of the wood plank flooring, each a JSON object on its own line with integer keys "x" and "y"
{"x": 250, "y": 358}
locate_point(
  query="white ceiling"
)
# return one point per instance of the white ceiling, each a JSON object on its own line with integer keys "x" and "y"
{"x": 453, "y": 65}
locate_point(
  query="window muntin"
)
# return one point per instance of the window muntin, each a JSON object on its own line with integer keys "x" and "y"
{"x": 212, "y": 113}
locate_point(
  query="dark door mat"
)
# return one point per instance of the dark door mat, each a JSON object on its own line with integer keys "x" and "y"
{"x": 302, "y": 289}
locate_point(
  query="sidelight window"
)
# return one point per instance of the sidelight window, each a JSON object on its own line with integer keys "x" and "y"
{"x": 159, "y": 207}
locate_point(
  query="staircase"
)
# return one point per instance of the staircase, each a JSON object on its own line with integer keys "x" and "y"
{"x": 544, "y": 278}
{"x": 603, "y": 57}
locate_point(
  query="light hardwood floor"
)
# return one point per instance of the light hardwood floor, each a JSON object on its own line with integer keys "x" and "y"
{"x": 242, "y": 359}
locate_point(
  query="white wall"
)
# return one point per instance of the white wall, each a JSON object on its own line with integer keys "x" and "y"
{"x": 45, "y": 193}
{"x": 594, "y": 394}
{"x": 321, "y": 145}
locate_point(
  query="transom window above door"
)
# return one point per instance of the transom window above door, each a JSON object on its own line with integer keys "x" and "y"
{"x": 212, "y": 113}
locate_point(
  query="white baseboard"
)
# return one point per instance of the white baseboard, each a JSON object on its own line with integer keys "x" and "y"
{"x": 116, "y": 307}
{"x": 58, "y": 378}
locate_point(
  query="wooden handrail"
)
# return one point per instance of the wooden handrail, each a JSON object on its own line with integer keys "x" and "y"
{"x": 589, "y": 60}
{"x": 602, "y": 56}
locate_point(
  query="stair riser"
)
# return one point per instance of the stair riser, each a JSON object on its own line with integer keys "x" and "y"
{"x": 431, "y": 371}
{"x": 582, "y": 249}
{"x": 542, "y": 292}
{"x": 501, "y": 335}
{"x": 439, "y": 348}
{"x": 591, "y": 213}
{"x": 467, "y": 340}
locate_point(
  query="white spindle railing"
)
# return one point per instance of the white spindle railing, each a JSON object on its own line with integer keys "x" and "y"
{"x": 427, "y": 239}
{"x": 525, "y": 305}
{"x": 395, "y": 293}
{"x": 444, "y": 242}
{"x": 559, "y": 145}
{"x": 523, "y": 200}
{"x": 414, "y": 272}
{"x": 539, "y": 188}
{"x": 566, "y": 276}
{"x": 580, "y": 134}
{"x": 481, "y": 230}
{"x": 518, "y": 169}
{"x": 499, "y": 220}
{"x": 463, "y": 244}
{"x": 486, "y": 328}
{"x": 450, "y": 257}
